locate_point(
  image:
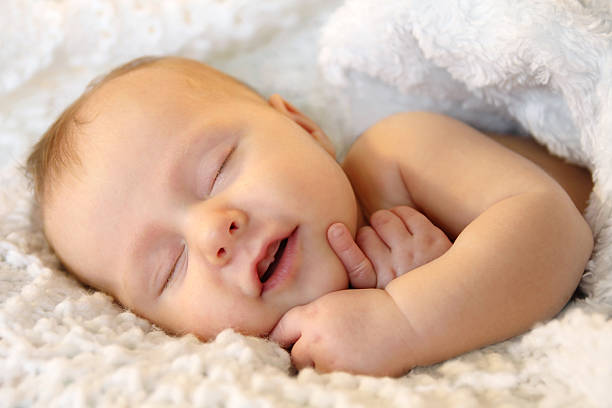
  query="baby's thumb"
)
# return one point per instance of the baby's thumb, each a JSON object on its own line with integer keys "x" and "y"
{"x": 359, "y": 268}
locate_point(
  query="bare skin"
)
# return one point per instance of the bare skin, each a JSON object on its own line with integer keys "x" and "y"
{"x": 511, "y": 265}
{"x": 575, "y": 180}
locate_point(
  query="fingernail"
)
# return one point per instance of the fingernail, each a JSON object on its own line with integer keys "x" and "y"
{"x": 336, "y": 230}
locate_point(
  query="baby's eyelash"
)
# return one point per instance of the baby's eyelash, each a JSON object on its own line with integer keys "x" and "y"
{"x": 172, "y": 271}
{"x": 223, "y": 164}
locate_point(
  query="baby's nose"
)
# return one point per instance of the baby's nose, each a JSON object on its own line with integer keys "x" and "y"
{"x": 220, "y": 237}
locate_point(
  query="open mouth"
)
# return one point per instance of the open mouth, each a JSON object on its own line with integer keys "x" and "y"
{"x": 265, "y": 272}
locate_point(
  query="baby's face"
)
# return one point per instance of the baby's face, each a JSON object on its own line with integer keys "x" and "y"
{"x": 197, "y": 212}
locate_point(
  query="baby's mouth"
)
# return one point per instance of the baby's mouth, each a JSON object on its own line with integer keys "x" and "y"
{"x": 266, "y": 267}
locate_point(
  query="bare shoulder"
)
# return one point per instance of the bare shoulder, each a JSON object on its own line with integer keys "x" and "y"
{"x": 371, "y": 167}
{"x": 423, "y": 132}
{"x": 446, "y": 169}
{"x": 374, "y": 163}
{"x": 413, "y": 132}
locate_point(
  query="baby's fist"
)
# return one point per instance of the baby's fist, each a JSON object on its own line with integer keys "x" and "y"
{"x": 399, "y": 240}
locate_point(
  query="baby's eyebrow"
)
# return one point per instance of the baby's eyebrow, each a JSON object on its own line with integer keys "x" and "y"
{"x": 181, "y": 176}
{"x": 177, "y": 173}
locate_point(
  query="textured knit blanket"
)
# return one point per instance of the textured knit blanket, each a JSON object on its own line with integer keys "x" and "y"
{"x": 537, "y": 67}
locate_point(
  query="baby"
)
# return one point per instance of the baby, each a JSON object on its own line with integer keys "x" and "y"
{"x": 200, "y": 206}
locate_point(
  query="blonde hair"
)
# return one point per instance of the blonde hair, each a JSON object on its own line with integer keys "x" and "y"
{"x": 55, "y": 152}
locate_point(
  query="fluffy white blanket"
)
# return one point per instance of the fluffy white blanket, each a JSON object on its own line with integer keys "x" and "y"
{"x": 541, "y": 67}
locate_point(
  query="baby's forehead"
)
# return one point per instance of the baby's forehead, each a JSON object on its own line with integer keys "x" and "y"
{"x": 158, "y": 94}
{"x": 133, "y": 86}
{"x": 169, "y": 76}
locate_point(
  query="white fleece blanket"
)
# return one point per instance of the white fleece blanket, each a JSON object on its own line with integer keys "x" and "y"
{"x": 541, "y": 67}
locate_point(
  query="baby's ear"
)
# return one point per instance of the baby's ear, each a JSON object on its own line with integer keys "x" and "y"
{"x": 284, "y": 107}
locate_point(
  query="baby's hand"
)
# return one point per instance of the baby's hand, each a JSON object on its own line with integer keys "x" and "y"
{"x": 360, "y": 331}
{"x": 399, "y": 240}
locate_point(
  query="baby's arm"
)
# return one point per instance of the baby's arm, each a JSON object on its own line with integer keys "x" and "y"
{"x": 520, "y": 250}
{"x": 520, "y": 247}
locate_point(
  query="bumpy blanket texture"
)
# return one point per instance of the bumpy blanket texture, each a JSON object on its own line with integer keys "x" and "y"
{"x": 538, "y": 67}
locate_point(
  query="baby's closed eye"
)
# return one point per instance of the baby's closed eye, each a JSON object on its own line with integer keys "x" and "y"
{"x": 216, "y": 178}
{"x": 179, "y": 265}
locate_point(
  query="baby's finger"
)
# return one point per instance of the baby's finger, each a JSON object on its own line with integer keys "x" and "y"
{"x": 378, "y": 253}
{"x": 390, "y": 228}
{"x": 288, "y": 329}
{"x": 414, "y": 220}
{"x": 359, "y": 269}
{"x": 301, "y": 354}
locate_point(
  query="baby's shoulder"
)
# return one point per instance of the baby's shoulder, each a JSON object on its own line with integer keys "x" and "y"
{"x": 388, "y": 157}
{"x": 407, "y": 132}
{"x": 374, "y": 161}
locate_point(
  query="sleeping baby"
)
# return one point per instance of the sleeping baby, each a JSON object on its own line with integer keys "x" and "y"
{"x": 201, "y": 206}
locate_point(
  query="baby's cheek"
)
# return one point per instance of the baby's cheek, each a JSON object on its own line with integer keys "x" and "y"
{"x": 246, "y": 315}
{"x": 182, "y": 314}
{"x": 331, "y": 275}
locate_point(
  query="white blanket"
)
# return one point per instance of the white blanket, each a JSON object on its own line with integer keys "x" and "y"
{"x": 541, "y": 67}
